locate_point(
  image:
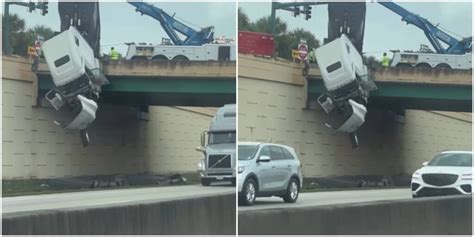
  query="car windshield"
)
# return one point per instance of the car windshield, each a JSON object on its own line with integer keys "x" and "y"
{"x": 247, "y": 152}
{"x": 452, "y": 159}
{"x": 221, "y": 137}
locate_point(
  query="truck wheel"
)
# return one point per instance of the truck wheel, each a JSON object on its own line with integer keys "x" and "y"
{"x": 180, "y": 58}
{"x": 249, "y": 193}
{"x": 423, "y": 65}
{"x": 205, "y": 182}
{"x": 443, "y": 66}
{"x": 403, "y": 65}
{"x": 159, "y": 58}
{"x": 292, "y": 191}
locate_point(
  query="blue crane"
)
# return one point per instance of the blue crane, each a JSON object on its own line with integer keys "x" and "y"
{"x": 434, "y": 34}
{"x": 172, "y": 26}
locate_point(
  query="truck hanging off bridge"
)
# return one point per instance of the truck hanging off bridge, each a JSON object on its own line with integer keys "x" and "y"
{"x": 345, "y": 76}
{"x": 73, "y": 57}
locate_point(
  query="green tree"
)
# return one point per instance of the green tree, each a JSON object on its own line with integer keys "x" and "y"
{"x": 263, "y": 25}
{"x": 43, "y": 31}
{"x": 20, "y": 38}
{"x": 372, "y": 62}
{"x": 17, "y": 25}
{"x": 244, "y": 22}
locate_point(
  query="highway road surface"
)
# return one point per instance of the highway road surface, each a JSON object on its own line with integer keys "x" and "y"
{"x": 108, "y": 197}
{"x": 331, "y": 197}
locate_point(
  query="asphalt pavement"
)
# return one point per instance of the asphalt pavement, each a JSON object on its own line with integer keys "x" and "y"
{"x": 109, "y": 197}
{"x": 331, "y": 197}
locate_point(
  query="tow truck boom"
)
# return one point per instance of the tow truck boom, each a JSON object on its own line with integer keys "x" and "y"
{"x": 434, "y": 34}
{"x": 172, "y": 26}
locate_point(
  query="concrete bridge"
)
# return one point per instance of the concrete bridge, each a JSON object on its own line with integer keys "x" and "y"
{"x": 424, "y": 89}
{"x": 148, "y": 83}
{"x": 413, "y": 88}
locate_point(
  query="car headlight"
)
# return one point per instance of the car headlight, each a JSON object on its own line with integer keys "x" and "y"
{"x": 241, "y": 169}
{"x": 416, "y": 175}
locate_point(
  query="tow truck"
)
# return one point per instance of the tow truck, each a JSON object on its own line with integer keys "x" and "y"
{"x": 457, "y": 54}
{"x": 450, "y": 53}
{"x": 197, "y": 46}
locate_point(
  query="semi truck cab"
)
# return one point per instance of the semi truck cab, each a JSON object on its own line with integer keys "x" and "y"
{"x": 77, "y": 79}
{"x": 219, "y": 148}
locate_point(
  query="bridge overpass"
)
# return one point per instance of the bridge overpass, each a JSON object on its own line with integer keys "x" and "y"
{"x": 422, "y": 89}
{"x": 412, "y": 88}
{"x": 144, "y": 83}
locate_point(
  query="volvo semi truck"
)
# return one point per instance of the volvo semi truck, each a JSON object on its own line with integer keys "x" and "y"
{"x": 218, "y": 146}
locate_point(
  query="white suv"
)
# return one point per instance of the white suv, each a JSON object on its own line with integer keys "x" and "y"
{"x": 448, "y": 173}
{"x": 265, "y": 170}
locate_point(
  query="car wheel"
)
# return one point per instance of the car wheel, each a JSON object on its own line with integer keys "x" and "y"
{"x": 249, "y": 192}
{"x": 292, "y": 191}
{"x": 205, "y": 182}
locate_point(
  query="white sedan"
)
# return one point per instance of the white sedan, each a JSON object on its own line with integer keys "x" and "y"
{"x": 448, "y": 173}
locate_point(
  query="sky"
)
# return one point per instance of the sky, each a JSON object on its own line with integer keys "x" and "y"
{"x": 120, "y": 23}
{"x": 383, "y": 29}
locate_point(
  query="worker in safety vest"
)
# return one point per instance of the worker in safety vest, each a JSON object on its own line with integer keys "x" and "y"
{"x": 114, "y": 55}
{"x": 385, "y": 60}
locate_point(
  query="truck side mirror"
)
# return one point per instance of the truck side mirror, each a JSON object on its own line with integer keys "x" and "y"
{"x": 200, "y": 148}
{"x": 203, "y": 139}
{"x": 425, "y": 163}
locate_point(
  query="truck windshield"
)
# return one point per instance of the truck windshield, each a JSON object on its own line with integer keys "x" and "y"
{"x": 221, "y": 137}
{"x": 452, "y": 159}
{"x": 247, "y": 152}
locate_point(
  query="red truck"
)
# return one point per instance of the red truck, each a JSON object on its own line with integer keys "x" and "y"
{"x": 256, "y": 43}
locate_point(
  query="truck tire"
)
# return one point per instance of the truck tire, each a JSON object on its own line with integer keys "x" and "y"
{"x": 249, "y": 193}
{"x": 205, "y": 182}
{"x": 292, "y": 191}
{"x": 180, "y": 58}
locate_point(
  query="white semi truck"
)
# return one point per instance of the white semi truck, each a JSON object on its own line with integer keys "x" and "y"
{"x": 77, "y": 77}
{"x": 220, "y": 149}
{"x": 347, "y": 82}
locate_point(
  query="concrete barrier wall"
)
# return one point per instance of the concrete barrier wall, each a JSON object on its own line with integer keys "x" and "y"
{"x": 427, "y": 132}
{"x": 201, "y": 215}
{"x": 173, "y": 135}
{"x": 438, "y": 215}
